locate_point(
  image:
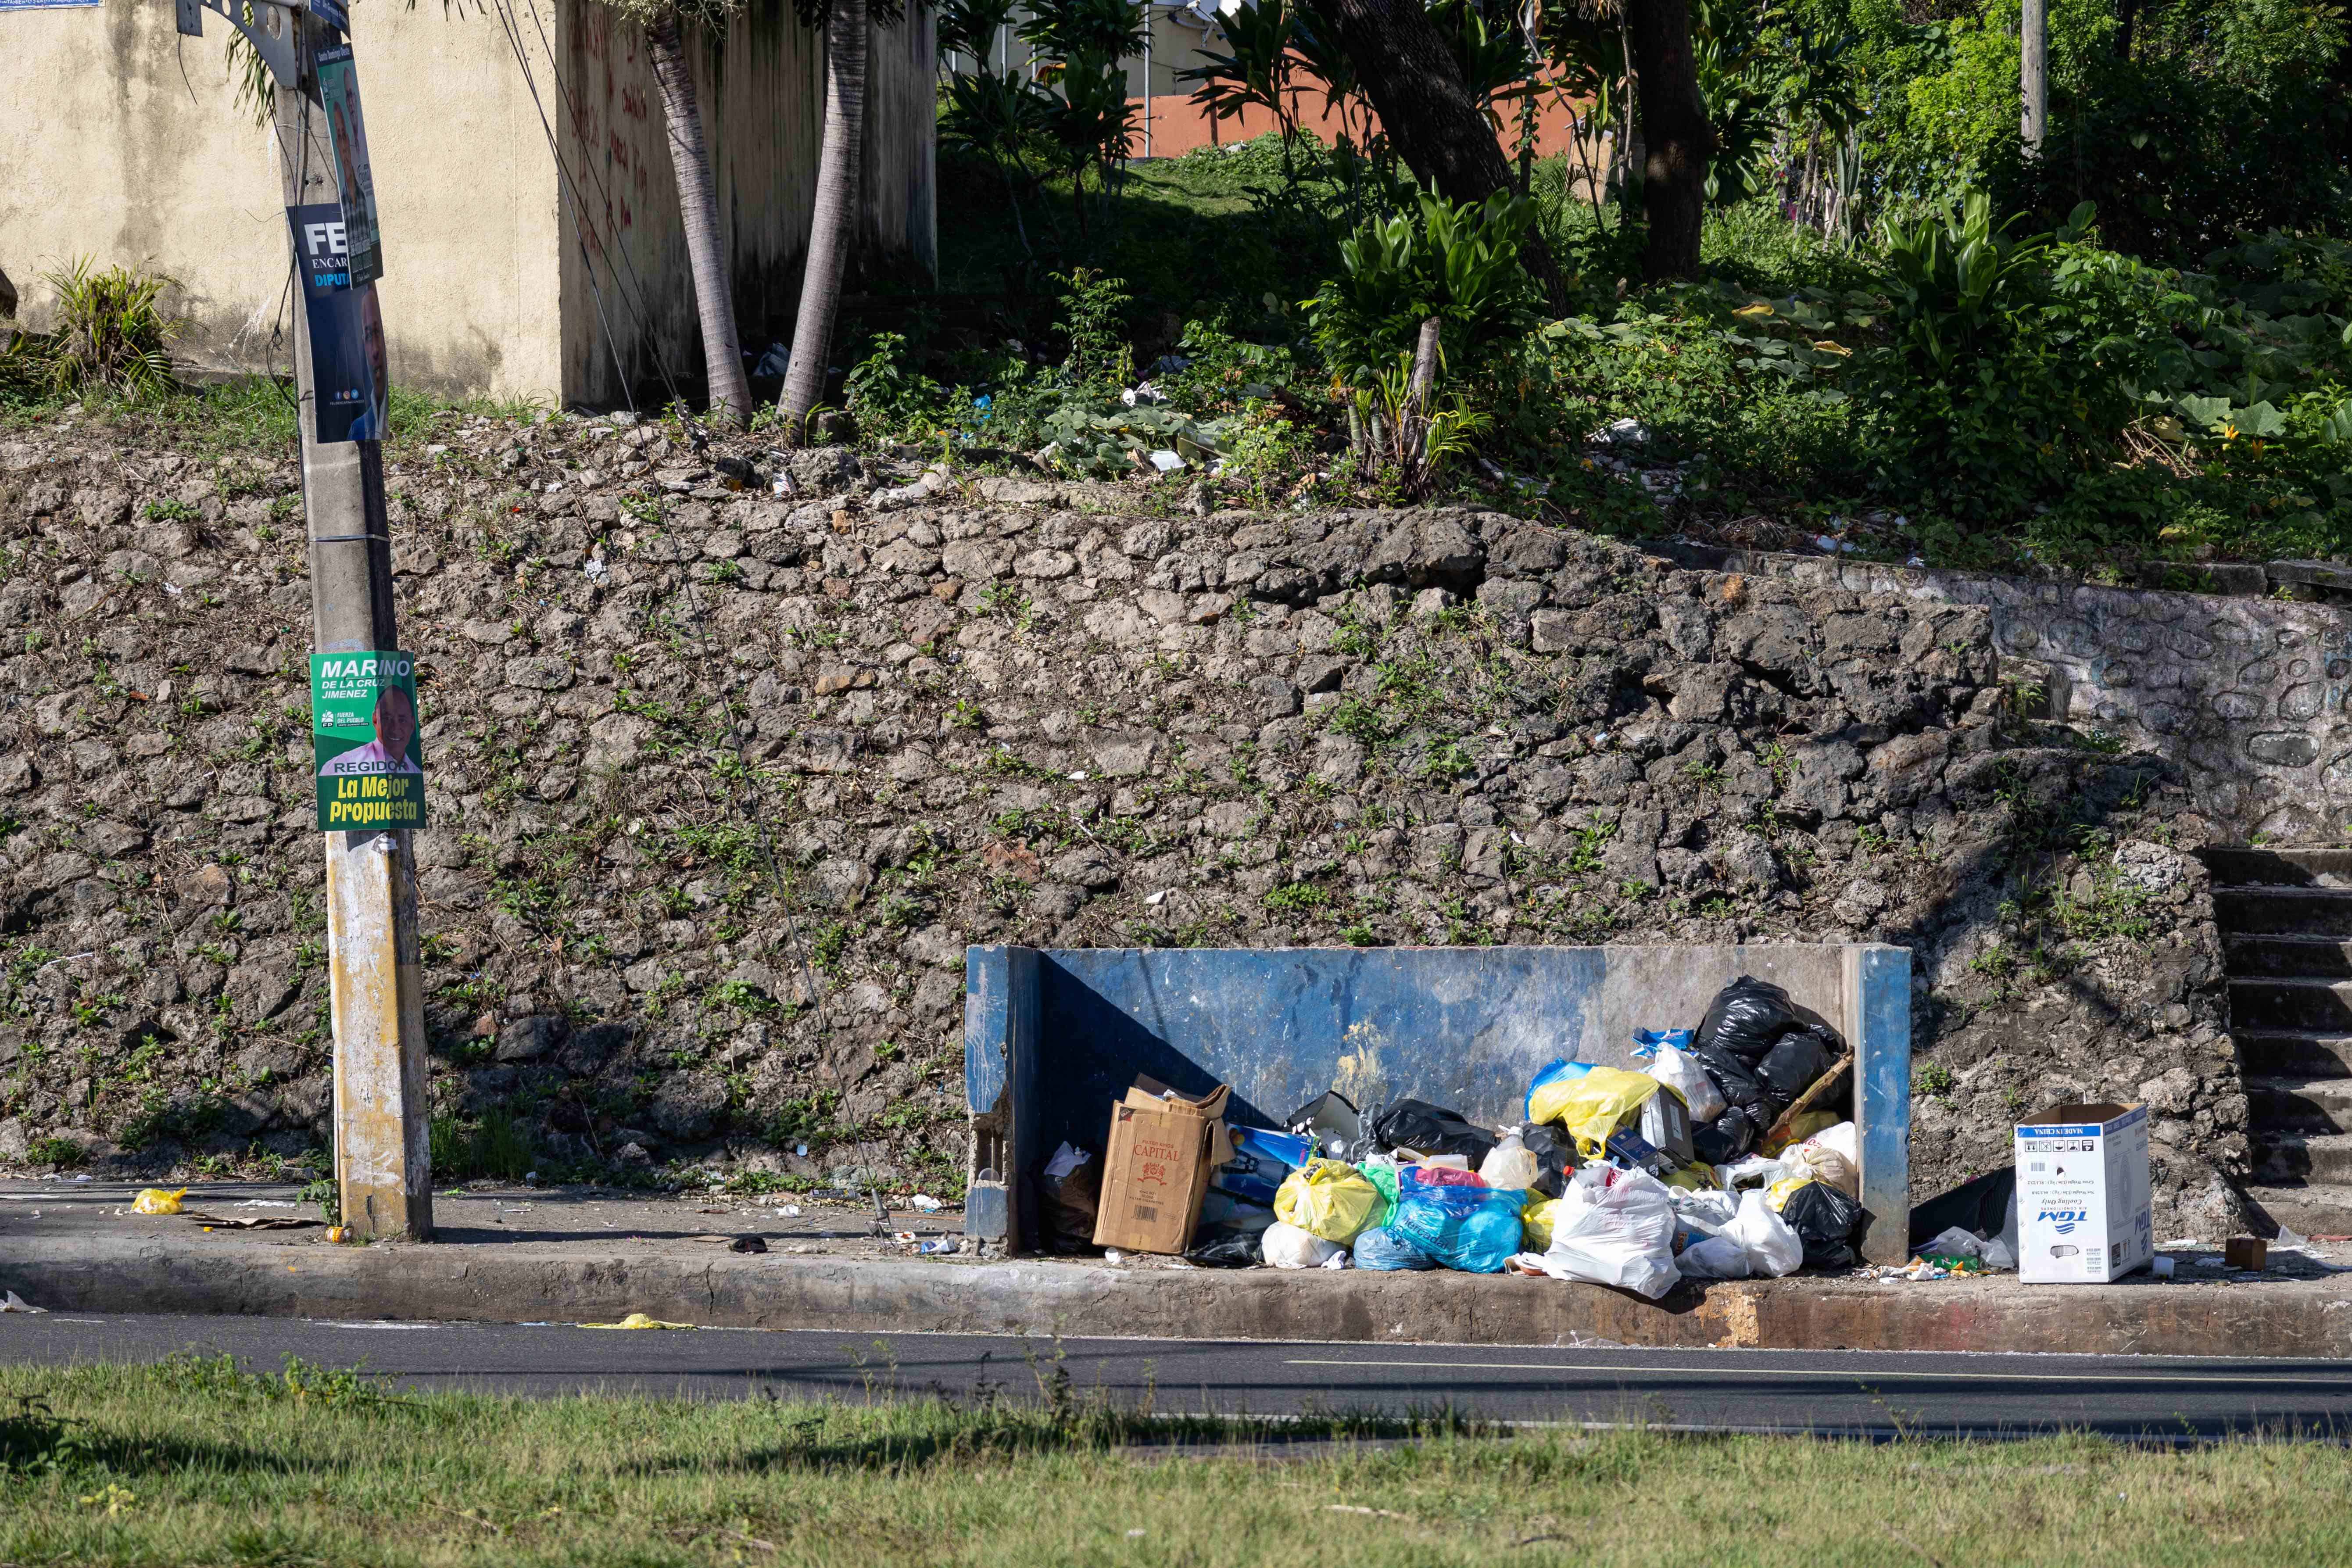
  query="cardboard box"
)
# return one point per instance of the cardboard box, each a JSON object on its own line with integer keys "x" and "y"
{"x": 2082, "y": 1212}
{"x": 1156, "y": 1166}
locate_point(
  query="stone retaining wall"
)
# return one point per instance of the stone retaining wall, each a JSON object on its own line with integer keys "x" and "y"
{"x": 1009, "y": 712}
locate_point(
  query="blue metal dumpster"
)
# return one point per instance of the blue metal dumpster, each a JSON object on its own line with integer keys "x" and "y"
{"x": 1052, "y": 1037}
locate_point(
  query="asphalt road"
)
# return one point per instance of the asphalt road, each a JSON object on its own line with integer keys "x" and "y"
{"x": 1827, "y": 1392}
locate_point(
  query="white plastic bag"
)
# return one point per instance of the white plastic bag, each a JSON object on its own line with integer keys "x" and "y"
{"x": 1287, "y": 1247}
{"x": 1845, "y": 1138}
{"x": 1706, "y": 1210}
{"x": 1715, "y": 1258}
{"x": 1624, "y": 1236}
{"x": 1771, "y": 1244}
{"x": 1955, "y": 1243}
{"x": 1749, "y": 1170}
{"x": 1822, "y": 1163}
{"x": 1680, "y": 1071}
{"x": 1509, "y": 1164}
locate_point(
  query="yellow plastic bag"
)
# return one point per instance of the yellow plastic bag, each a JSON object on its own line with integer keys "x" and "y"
{"x": 1778, "y": 1193}
{"x": 1800, "y": 1127}
{"x": 638, "y": 1320}
{"x": 1535, "y": 1222}
{"x": 1593, "y": 1106}
{"x": 1329, "y": 1198}
{"x": 155, "y": 1200}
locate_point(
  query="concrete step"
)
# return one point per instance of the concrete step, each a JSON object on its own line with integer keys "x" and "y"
{"x": 2284, "y": 911}
{"x": 2317, "y": 1208}
{"x": 2289, "y": 1157}
{"x": 2299, "y": 1104}
{"x": 2330, "y": 867}
{"x": 2298, "y": 1054}
{"x": 2324, "y": 1006}
{"x": 2289, "y": 957}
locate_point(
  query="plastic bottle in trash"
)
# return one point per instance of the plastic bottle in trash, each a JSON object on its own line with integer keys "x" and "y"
{"x": 1509, "y": 1165}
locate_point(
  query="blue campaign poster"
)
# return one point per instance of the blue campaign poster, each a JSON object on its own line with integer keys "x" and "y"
{"x": 348, "y": 362}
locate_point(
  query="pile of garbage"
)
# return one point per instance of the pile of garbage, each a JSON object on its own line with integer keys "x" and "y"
{"x": 1732, "y": 1154}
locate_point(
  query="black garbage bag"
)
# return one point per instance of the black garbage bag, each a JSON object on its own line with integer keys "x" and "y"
{"x": 1747, "y": 1019}
{"x": 1829, "y": 1223}
{"x": 1237, "y": 1250}
{"x": 1067, "y": 1205}
{"x": 1734, "y": 1080}
{"x": 1727, "y": 1138}
{"x": 1795, "y": 1060}
{"x": 1431, "y": 1129}
{"x": 1555, "y": 1154}
{"x": 1980, "y": 1205}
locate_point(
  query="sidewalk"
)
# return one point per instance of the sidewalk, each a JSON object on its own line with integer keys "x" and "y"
{"x": 521, "y": 1254}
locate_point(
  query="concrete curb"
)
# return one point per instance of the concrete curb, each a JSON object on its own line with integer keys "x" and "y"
{"x": 528, "y": 1283}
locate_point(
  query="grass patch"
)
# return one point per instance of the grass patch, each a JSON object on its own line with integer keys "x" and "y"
{"x": 198, "y": 1460}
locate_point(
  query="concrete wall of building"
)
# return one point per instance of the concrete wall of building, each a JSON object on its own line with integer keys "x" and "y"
{"x": 503, "y": 276}
{"x": 126, "y": 146}
{"x": 762, "y": 93}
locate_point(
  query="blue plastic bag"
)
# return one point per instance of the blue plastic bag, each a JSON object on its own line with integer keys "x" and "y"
{"x": 1552, "y": 1072}
{"x": 1647, "y": 1041}
{"x": 1473, "y": 1229}
{"x": 1261, "y": 1159}
{"x": 1382, "y": 1249}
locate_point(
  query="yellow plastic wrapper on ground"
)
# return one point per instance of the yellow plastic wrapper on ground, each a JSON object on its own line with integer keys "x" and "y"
{"x": 1329, "y": 1198}
{"x": 638, "y": 1320}
{"x": 1592, "y": 1107}
{"x": 1536, "y": 1221}
{"x": 155, "y": 1200}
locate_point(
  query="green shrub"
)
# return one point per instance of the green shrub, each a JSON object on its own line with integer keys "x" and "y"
{"x": 111, "y": 332}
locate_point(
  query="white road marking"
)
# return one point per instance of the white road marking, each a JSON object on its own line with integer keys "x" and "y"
{"x": 1579, "y": 1367}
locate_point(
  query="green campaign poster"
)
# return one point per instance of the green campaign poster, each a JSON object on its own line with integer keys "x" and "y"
{"x": 364, "y": 738}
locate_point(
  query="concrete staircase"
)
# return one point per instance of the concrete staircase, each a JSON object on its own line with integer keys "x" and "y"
{"x": 2285, "y": 917}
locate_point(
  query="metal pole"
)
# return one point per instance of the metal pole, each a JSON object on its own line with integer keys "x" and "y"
{"x": 2033, "y": 76}
{"x": 382, "y": 1144}
{"x": 1149, "y": 15}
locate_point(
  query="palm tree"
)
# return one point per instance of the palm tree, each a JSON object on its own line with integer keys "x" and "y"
{"x": 832, "y": 225}
{"x": 689, "y": 156}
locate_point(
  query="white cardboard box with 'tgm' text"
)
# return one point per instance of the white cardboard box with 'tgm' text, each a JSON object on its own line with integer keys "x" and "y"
{"x": 2083, "y": 1211}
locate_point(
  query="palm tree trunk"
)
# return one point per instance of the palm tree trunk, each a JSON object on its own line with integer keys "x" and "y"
{"x": 689, "y": 157}
{"x": 1676, "y": 139}
{"x": 832, "y": 229}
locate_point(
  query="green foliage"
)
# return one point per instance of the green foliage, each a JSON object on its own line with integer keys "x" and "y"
{"x": 111, "y": 331}
{"x": 1295, "y": 900}
{"x": 497, "y": 1146}
{"x": 2221, "y": 120}
{"x": 885, "y": 393}
{"x": 54, "y": 1152}
{"x": 1459, "y": 263}
{"x": 1100, "y": 360}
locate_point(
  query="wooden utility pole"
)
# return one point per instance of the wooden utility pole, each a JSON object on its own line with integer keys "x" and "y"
{"x": 2033, "y": 76}
{"x": 382, "y": 1146}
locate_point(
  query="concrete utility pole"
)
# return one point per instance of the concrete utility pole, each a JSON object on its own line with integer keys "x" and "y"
{"x": 2033, "y": 76}
{"x": 382, "y": 1144}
